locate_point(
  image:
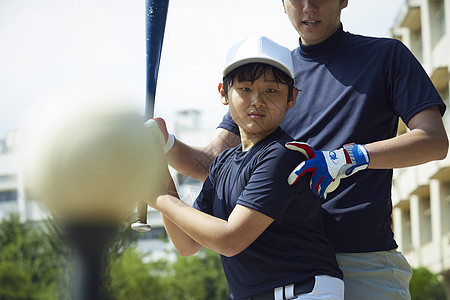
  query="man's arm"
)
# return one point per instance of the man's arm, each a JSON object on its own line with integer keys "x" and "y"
{"x": 426, "y": 141}
{"x": 194, "y": 162}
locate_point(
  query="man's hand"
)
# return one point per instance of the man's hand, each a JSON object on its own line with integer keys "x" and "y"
{"x": 158, "y": 126}
{"x": 328, "y": 167}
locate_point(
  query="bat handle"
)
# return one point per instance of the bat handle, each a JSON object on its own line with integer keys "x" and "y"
{"x": 141, "y": 222}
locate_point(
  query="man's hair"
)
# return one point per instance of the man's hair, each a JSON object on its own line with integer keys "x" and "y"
{"x": 253, "y": 71}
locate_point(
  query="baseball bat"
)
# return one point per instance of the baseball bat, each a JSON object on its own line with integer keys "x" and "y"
{"x": 156, "y": 16}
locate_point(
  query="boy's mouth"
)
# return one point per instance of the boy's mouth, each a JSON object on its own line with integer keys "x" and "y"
{"x": 256, "y": 114}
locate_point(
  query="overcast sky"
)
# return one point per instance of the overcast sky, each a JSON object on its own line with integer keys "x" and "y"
{"x": 48, "y": 45}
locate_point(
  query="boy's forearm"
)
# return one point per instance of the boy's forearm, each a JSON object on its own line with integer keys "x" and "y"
{"x": 203, "y": 229}
{"x": 184, "y": 244}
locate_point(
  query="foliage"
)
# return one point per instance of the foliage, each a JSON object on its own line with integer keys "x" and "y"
{"x": 130, "y": 278}
{"x": 196, "y": 277}
{"x": 425, "y": 285}
{"x": 27, "y": 271}
{"x": 35, "y": 263}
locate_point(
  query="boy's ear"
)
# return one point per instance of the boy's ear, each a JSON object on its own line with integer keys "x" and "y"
{"x": 223, "y": 97}
{"x": 293, "y": 100}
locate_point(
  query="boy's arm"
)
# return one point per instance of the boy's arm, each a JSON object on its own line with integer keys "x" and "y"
{"x": 194, "y": 162}
{"x": 227, "y": 237}
{"x": 184, "y": 244}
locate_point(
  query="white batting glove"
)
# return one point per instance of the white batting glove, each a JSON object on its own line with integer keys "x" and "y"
{"x": 159, "y": 129}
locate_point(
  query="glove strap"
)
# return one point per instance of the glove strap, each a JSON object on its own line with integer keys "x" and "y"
{"x": 358, "y": 156}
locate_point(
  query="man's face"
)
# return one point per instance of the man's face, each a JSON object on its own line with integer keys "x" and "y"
{"x": 315, "y": 20}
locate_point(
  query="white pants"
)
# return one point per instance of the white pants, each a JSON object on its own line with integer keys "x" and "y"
{"x": 326, "y": 287}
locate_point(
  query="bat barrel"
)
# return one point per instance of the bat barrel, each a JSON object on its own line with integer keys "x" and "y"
{"x": 156, "y": 15}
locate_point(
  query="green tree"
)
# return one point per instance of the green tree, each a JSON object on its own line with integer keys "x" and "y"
{"x": 183, "y": 278}
{"x": 36, "y": 263}
{"x": 16, "y": 283}
{"x": 28, "y": 264}
{"x": 130, "y": 278}
{"x": 425, "y": 285}
{"x": 173, "y": 277}
{"x": 196, "y": 277}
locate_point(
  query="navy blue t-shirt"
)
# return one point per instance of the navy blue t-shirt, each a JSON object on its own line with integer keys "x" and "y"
{"x": 354, "y": 89}
{"x": 294, "y": 247}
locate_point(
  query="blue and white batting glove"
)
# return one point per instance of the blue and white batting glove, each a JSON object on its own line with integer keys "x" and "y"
{"x": 328, "y": 167}
{"x": 159, "y": 129}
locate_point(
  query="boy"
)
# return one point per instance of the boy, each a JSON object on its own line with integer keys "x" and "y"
{"x": 269, "y": 234}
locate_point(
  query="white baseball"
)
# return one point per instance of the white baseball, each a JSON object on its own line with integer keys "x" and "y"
{"x": 90, "y": 156}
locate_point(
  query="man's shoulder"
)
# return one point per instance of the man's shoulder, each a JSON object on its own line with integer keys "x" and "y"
{"x": 371, "y": 42}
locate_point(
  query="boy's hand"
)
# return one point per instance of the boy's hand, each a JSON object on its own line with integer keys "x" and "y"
{"x": 158, "y": 126}
{"x": 328, "y": 167}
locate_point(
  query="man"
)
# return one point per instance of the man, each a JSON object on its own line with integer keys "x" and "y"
{"x": 354, "y": 89}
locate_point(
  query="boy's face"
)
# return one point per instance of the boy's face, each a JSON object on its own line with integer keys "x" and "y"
{"x": 258, "y": 107}
{"x": 315, "y": 20}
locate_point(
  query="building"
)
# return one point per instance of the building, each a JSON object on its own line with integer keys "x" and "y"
{"x": 421, "y": 195}
{"x": 12, "y": 199}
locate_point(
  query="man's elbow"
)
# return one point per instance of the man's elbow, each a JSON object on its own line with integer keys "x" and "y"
{"x": 441, "y": 149}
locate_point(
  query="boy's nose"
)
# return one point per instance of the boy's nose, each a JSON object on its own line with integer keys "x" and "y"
{"x": 258, "y": 99}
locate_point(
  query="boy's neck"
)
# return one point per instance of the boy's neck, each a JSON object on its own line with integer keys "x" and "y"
{"x": 248, "y": 140}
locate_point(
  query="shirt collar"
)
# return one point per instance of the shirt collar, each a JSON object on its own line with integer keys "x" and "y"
{"x": 326, "y": 47}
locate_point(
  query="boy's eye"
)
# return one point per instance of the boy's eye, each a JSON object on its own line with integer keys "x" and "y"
{"x": 270, "y": 90}
{"x": 246, "y": 89}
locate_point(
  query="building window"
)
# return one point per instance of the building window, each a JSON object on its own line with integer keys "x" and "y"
{"x": 187, "y": 120}
{"x": 6, "y": 178}
{"x": 407, "y": 230}
{"x": 437, "y": 17}
{"x": 157, "y": 233}
{"x": 8, "y": 196}
{"x": 446, "y": 196}
{"x": 416, "y": 43}
{"x": 426, "y": 234}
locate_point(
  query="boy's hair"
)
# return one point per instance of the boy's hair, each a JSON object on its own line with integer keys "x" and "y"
{"x": 253, "y": 71}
